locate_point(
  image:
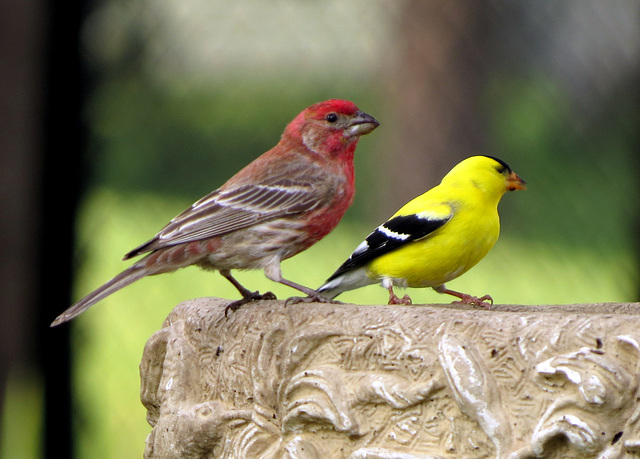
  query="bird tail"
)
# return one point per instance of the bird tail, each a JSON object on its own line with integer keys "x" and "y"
{"x": 348, "y": 281}
{"x": 126, "y": 277}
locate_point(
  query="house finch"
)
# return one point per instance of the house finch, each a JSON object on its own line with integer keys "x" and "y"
{"x": 277, "y": 206}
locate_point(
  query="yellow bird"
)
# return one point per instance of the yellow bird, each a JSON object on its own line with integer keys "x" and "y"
{"x": 434, "y": 238}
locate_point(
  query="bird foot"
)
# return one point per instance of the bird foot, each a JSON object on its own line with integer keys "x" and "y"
{"x": 474, "y": 300}
{"x": 395, "y": 299}
{"x": 251, "y": 296}
{"x": 310, "y": 299}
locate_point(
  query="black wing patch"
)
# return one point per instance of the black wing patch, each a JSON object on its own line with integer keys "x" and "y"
{"x": 389, "y": 236}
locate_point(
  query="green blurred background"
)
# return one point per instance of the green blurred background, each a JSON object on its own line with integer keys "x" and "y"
{"x": 182, "y": 94}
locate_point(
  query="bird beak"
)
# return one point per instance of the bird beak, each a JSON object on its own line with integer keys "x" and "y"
{"x": 361, "y": 124}
{"x": 515, "y": 183}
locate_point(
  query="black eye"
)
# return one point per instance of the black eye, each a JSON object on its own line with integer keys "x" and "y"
{"x": 331, "y": 117}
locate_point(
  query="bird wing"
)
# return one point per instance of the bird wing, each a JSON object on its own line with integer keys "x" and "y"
{"x": 233, "y": 208}
{"x": 394, "y": 233}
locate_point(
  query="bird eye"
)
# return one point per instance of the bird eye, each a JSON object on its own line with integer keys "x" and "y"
{"x": 331, "y": 117}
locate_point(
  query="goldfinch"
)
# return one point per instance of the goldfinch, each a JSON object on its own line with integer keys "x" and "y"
{"x": 434, "y": 238}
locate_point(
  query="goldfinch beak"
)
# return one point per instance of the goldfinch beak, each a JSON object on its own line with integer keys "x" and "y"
{"x": 515, "y": 183}
{"x": 361, "y": 124}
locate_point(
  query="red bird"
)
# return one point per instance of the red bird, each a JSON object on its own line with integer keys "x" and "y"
{"x": 277, "y": 206}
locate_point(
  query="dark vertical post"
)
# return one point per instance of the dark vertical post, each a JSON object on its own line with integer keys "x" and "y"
{"x": 21, "y": 69}
{"x": 61, "y": 186}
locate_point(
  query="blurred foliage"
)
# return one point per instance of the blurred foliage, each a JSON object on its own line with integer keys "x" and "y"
{"x": 188, "y": 93}
{"x": 158, "y": 147}
{"x": 183, "y": 142}
{"x": 174, "y": 140}
{"x": 580, "y": 169}
{"x": 22, "y": 415}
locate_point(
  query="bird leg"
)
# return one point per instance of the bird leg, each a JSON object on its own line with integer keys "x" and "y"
{"x": 394, "y": 299}
{"x": 247, "y": 295}
{"x": 274, "y": 273}
{"x": 313, "y": 296}
{"x": 466, "y": 298}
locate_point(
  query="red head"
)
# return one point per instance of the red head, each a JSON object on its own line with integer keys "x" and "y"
{"x": 330, "y": 128}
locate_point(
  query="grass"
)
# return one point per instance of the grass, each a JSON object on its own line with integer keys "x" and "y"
{"x": 109, "y": 339}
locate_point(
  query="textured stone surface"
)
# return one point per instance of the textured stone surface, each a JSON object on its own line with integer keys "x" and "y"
{"x": 346, "y": 381}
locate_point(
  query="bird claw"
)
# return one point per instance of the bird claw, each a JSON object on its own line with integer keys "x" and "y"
{"x": 264, "y": 296}
{"x": 310, "y": 299}
{"x": 252, "y": 296}
{"x": 395, "y": 299}
{"x": 474, "y": 300}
